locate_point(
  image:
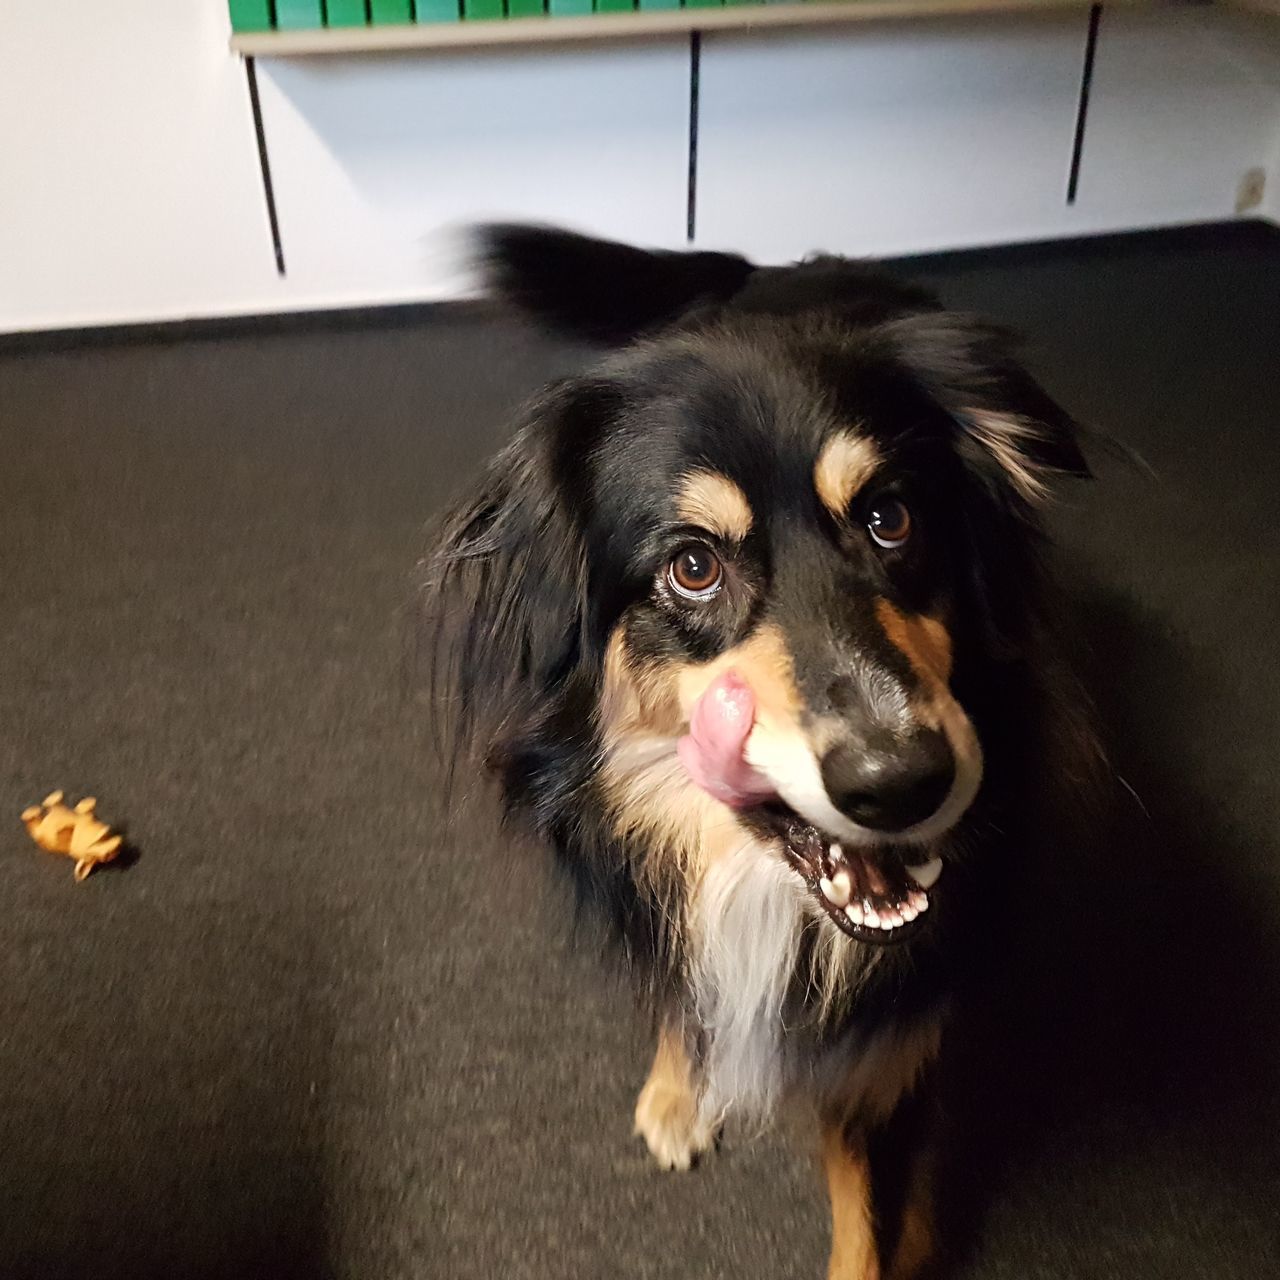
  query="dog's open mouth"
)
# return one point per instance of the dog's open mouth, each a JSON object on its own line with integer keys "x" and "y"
{"x": 870, "y": 892}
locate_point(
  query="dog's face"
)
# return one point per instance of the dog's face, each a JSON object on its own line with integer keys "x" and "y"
{"x": 754, "y": 526}
{"x": 752, "y": 573}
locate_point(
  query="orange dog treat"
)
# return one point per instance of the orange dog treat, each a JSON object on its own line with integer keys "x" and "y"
{"x": 77, "y": 832}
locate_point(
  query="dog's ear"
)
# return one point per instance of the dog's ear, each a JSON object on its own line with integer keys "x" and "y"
{"x": 505, "y": 585}
{"x": 1011, "y": 431}
{"x": 598, "y": 289}
{"x": 1014, "y": 442}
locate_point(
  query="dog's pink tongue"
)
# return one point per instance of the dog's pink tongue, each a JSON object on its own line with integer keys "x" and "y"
{"x": 713, "y": 750}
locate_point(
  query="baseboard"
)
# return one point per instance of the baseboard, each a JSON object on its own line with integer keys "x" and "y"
{"x": 1199, "y": 237}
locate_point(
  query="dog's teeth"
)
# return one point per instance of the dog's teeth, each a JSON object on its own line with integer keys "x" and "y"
{"x": 870, "y": 918}
{"x": 909, "y": 912}
{"x": 854, "y": 912}
{"x": 926, "y": 876}
{"x": 886, "y": 924}
{"x": 838, "y": 889}
{"x": 892, "y": 915}
{"x": 836, "y": 853}
{"x": 919, "y": 900}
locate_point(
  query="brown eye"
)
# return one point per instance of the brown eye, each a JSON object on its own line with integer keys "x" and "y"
{"x": 889, "y": 522}
{"x": 696, "y": 572}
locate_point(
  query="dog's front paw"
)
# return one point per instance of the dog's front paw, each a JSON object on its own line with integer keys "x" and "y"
{"x": 667, "y": 1119}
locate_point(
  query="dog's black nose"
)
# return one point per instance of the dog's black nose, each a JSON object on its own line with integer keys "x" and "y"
{"x": 890, "y": 786}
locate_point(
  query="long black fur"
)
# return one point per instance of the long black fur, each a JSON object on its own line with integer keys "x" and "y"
{"x": 532, "y": 570}
{"x": 602, "y": 291}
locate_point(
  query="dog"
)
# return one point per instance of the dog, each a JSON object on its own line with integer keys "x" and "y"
{"x": 754, "y": 624}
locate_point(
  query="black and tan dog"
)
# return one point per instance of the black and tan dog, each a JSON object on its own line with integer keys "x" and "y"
{"x": 752, "y": 620}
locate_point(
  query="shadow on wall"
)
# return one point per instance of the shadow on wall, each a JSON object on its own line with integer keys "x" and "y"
{"x": 1123, "y": 1070}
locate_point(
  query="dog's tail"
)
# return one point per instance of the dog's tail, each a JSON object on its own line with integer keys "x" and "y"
{"x": 598, "y": 289}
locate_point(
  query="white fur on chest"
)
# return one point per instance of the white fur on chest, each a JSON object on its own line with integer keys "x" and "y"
{"x": 748, "y": 916}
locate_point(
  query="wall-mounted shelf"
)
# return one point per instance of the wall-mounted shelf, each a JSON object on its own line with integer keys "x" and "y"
{"x": 631, "y": 24}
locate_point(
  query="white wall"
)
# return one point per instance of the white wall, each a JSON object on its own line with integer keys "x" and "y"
{"x": 1271, "y": 204}
{"x": 130, "y": 187}
{"x": 129, "y": 183}
{"x": 889, "y": 139}
{"x": 1184, "y": 102}
{"x": 372, "y": 157}
{"x": 918, "y": 136}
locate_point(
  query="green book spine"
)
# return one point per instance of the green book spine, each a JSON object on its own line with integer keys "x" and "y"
{"x": 660, "y": 4}
{"x": 525, "y": 9}
{"x": 250, "y": 15}
{"x": 615, "y": 6}
{"x": 390, "y": 11}
{"x": 481, "y": 10}
{"x": 346, "y": 13}
{"x": 294, "y": 14}
{"x": 438, "y": 11}
{"x": 568, "y": 8}
{"x": 703, "y": 4}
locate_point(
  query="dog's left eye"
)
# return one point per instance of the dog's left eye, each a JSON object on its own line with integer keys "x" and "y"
{"x": 889, "y": 522}
{"x": 696, "y": 572}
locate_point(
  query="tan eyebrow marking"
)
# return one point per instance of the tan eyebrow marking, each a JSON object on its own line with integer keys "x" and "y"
{"x": 714, "y": 502}
{"x": 845, "y": 463}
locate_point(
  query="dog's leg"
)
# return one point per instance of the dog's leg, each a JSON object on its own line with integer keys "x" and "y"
{"x": 906, "y": 1153}
{"x": 667, "y": 1109}
{"x": 916, "y": 1254}
{"x": 853, "y": 1238}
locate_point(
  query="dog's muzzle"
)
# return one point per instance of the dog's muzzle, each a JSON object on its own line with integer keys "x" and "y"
{"x": 868, "y": 791}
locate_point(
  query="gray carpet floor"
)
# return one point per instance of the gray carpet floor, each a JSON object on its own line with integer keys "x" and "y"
{"x": 318, "y": 1026}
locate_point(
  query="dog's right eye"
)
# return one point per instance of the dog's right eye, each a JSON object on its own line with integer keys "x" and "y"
{"x": 696, "y": 572}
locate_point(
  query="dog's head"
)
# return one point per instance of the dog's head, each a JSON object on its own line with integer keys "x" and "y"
{"x": 756, "y": 575}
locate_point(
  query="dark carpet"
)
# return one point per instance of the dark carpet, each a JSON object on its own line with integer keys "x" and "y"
{"x": 316, "y": 1028}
